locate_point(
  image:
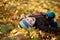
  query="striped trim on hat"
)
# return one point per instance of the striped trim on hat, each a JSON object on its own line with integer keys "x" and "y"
{"x": 24, "y": 24}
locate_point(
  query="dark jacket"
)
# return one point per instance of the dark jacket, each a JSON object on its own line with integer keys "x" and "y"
{"x": 43, "y": 23}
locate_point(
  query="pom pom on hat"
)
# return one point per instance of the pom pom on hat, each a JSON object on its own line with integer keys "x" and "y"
{"x": 50, "y": 15}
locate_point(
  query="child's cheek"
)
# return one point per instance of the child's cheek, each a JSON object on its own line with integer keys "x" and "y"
{"x": 31, "y": 21}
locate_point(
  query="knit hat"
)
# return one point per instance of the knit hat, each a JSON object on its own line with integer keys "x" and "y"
{"x": 27, "y": 22}
{"x": 50, "y": 15}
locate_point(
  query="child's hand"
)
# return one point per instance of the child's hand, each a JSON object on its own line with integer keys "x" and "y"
{"x": 22, "y": 16}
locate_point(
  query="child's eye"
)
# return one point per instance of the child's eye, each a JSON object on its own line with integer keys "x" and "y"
{"x": 27, "y": 19}
{"x": 33, "y": 19}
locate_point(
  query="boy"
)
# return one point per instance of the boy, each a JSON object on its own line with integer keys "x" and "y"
{"x": 42, "y": 21}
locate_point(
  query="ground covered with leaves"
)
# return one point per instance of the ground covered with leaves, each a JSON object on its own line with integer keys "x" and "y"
{"x": 10, "y": 12}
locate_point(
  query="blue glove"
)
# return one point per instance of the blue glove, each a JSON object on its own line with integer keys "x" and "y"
{"x": 51, "y": 15}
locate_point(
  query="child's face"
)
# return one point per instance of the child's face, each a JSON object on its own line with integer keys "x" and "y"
{"x": 31, "y": 20}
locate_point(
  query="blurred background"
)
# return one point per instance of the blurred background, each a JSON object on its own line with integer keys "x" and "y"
{"x": 10, "y": 11}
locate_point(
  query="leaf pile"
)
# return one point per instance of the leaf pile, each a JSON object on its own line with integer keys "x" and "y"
{"x": 10, "y": 13}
